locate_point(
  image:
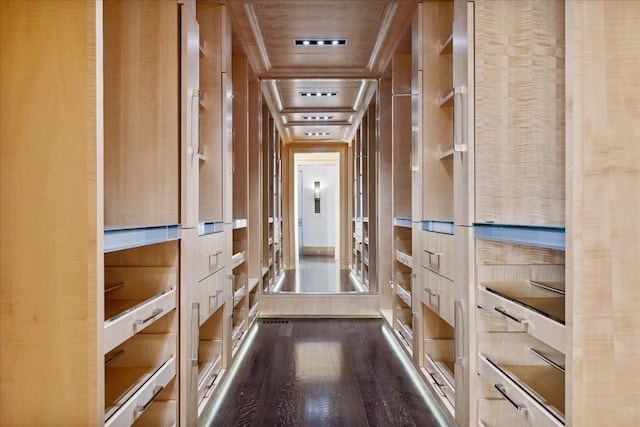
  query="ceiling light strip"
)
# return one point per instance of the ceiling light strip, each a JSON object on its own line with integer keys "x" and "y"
{"x": 320, "y": 42}
{"x": 317, "y": 133}
{"x": 317, "y": 117}
{"x": 318, "y": 93}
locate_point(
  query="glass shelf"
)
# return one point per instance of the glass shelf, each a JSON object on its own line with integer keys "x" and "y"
{"x": 402, "y": 222}
{"x": 117, "y": 239}
{"x": 544, "y": 237}
{"x": 205, "y": 228}
{"x": 444, "y": 227}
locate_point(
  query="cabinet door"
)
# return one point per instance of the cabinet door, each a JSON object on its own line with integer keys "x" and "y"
{"x": 190, "y": 106}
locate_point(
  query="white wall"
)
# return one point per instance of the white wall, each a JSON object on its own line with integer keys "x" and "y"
{"x": 318, "y": 229}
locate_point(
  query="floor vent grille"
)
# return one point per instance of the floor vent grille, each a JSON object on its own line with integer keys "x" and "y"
{"x": 275, "y": 321}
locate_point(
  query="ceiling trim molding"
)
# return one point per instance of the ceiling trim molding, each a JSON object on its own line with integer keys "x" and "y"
{"x": 387, "y": 20}
{"x": 255, "y": 28}
{"x": 276, "y": 94}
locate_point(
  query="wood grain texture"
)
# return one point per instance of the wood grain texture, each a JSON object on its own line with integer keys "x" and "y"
{"x": 321, "y": 372}
{"x": 437, "y": 121}
{"x": 141, "y": 86}
{"x": 209, "y": 17}
{"x": 519, "y": 112}
{"x": 50, "y": 213}
{"x": 603, "y": 96}
{"x": 240, "y": 70}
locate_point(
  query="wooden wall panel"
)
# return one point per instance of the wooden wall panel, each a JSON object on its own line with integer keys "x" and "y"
{"x": 51, "y": 274}
{"x": 141, "y": 85}
{"x": 603, "y": 176}
{"x": 520, "y": 109}
{"x": 209, "y": 16}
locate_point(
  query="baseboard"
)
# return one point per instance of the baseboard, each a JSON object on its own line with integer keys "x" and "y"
{"x": 319, "y": 250}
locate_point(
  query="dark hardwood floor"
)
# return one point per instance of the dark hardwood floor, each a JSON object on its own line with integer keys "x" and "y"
{"x": 317, "y": 274}
{"x": 320, "y": 372}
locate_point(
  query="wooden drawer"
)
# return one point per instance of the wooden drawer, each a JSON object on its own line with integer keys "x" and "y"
{"x": 139, "y": 297}
{"x": 211, "y": 254}
{"x": 520, "y": 400}
{"x": 522, "y": 318}
{"x": 358, "y": 231}
{"x": 209, "y": 294}
{"x": 239, "y": 253}
{"x": 442, "y": 376}
{"x": 209, "y": 366}
{"x": 438, "y": 293}
{"x": 135, "y": 379}
{"x": 438, "y": 253}
{"x": 499, "y": 413}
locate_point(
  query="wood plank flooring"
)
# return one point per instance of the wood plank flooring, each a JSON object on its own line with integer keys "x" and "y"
{"x": 320, "y": 372}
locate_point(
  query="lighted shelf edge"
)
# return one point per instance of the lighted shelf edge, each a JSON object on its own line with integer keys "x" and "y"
{"x": 539, "y": 236}
{"x": 118, "y": 239}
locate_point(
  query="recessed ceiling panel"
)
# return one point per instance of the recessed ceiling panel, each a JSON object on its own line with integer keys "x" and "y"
{"x": 283, "y": 22}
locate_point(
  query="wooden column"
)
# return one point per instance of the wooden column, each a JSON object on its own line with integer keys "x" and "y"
{"x": 603, "y": 229}
{"x": 51, "y": 361}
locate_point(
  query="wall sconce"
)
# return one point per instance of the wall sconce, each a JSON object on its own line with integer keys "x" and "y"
{"x": 316, "y": 195}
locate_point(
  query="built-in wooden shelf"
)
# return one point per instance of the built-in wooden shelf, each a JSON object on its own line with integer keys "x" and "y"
{"x": 446, "y": 46}
{"x": 117, "y": 239}
{"x": 544, "y": 237}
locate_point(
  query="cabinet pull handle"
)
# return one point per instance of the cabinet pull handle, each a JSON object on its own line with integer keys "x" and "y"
{"x": 458, "y": 144}
{"x": 510, "y": 316}
{"x": 458, "y": 330}
{"x": 141, "y": 408}
{"x": 430, "y": 292}
{"x": 434, "y": 253}
{"x": 435, "y": 380}
{"x": 520, "y": 407}
{"x": 155, "y": 313}
{"x": 195, "y": 334}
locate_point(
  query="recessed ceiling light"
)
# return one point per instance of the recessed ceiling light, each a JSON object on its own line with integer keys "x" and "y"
{"x": 317, "y": 133}
{"x": 320, "y": 42}
{"x": 318, "y": 93}
{"x": 317, "y": 117}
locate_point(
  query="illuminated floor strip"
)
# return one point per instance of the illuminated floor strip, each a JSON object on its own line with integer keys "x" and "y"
{"x": 415, "y": 377}
{"x": 211, "y": 411}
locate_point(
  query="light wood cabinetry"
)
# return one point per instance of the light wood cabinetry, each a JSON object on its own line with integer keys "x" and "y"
{"x": 363, "y": 257}
{"x": 272, "y": 255}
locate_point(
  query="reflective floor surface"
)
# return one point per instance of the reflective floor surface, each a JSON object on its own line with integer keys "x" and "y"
{"x": 322, "y": 372}
{"x": 317, "y": 274}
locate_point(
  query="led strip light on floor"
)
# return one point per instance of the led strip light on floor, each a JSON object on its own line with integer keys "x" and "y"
{"x": 415, "y": 377}
{"x": 213, "y": 408}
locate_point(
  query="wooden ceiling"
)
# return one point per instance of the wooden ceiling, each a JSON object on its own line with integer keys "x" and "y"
{"x": 267, "y": 30}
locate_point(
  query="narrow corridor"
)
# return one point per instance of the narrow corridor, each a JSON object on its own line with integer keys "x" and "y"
{"x": 322, "y": 372}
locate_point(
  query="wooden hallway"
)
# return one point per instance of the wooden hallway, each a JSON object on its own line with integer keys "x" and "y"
{"x": 321, "y": 372}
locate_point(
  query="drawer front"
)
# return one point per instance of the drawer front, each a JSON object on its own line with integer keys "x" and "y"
{"x": 142, "y": 399}
{"x": 536, "y": 325}
{"x": 448, "y": 389}
{"x": 358, "y": 231}
{"x": 209, "y": 295}
{"x": 438, "y": 253}
{"x": 129, "y": 324}
{"x": 211, "y": 254}
{"x": 404, "y": 295}
{"x": 518, "y": 398}
{"x": 438, "y": 293}
{"x": 404, "y": 258}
